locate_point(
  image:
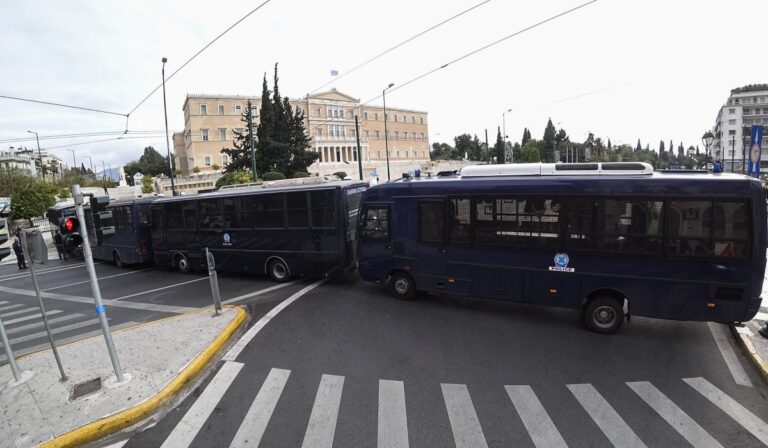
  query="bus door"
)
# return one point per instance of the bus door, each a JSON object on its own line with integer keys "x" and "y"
{"x": 431, "y": 248}
{"x": 190, "y": 240}
{"x": 375, "y": 243}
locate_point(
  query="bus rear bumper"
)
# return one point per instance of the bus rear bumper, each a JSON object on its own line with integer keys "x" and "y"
{"x": 753, "y": 307}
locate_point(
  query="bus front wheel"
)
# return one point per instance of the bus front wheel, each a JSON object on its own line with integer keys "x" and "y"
{"x": 117, "y": 260}
{"x": 604, "y": 314}
{"x": 401, "y": 285}
{"x": 278, "y": 270}
{"x": 182, "y": 264}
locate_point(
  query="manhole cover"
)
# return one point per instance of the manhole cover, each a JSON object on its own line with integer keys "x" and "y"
{"x": 85, "y": 388}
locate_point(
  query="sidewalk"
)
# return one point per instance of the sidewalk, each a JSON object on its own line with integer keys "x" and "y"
{"x": 52, "y": 254}
{"x": 755, "y": 346}
{"x": 159, "y": 359}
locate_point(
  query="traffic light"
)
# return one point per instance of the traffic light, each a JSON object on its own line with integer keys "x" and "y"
{"x": 4, "y": 251}
{"x": 70, "y": 233}
{"x": 102, "y": 219}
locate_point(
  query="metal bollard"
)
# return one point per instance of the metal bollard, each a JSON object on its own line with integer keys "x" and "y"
{"x": 9, "y": 352}
{"x": 213, "y": 277}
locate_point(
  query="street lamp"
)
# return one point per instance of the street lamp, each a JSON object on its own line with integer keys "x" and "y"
{"x": 167, "y": 142}
{"x": 504, "y": 126}
{"x": 386, "y": 134}
{"x": 91, "y": 161}
{"x": 74, "y": 159}
{"x": 707, "y": 140}
{"x": 39, "y": 155}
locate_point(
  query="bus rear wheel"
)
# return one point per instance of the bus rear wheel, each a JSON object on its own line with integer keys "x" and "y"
{"x": 278, "y": 271}
{"x": 182, "y": 264}
{"x": 401, "y": 285}
{"x": 604, "y": 315}
{"x": 117, "y": 260}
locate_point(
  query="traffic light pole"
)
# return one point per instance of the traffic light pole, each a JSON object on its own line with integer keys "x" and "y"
{"x": 100, "y": 311}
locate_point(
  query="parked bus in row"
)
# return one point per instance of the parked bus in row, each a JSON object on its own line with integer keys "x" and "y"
{"x": 281, "y": 231}
{"x": 132, "y": 242}
{"x": 609, "y": 239}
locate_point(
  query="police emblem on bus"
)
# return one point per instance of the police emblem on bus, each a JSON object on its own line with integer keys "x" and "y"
{"x": 561, "y": 263}
{"x": 227, "y": 240}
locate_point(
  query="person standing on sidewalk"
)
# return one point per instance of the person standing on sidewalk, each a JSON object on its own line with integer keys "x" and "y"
{"x": 57, "y": 240}
{"x": 19, "y": 254}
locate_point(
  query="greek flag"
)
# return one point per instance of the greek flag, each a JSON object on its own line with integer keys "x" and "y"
{"x": 334, "y": 73}
{"x": 755, "y": 150}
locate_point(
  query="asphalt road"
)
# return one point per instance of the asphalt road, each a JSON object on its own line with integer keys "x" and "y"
{"x": 345, "y": 365}
{"x": 131, "y": 295}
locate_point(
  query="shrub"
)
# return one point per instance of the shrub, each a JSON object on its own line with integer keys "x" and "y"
{"x": 340, "y": 174}
{"x": 273, "y": 175}
{"x": 237, "y": 177}
{"x": 215, "y": 167}
{"x": 298, "y": 174}
{"x": 196, "y": 169}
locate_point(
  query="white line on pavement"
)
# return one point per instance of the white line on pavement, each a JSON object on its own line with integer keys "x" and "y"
{"x": 322, "y": 421}
{"x": 736, "y": 411}
{"x": 676, "y": 417}
{"x": 10, "y": 307}
{"x": 186, "y": 430}
{"x": 40, "y": 323}
{"x": 24, "y": 311}
{"x": 41, "y": 334}
{"x": 44, "y": 271}
{"x": 259, "y": 292}
{"x": 467, "y": 432}
{"x": 161, "y": 288}
{"x": 393, "y": 420}
{"x": 34, "y": 316}
{"x": 729, "y": 356}
{"x": 100, "y": 278}
{"x": 535, "y": 418}
{"x": 255, "y": 422}
{"x": 607, "y": 419}
{"x": 234, "y": 352}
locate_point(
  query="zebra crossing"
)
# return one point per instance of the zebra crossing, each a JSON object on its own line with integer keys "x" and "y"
{"x": 466, "y": 427}
{"x": 26, "y": 331}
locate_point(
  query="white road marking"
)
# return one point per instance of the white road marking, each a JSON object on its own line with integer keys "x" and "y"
{"x": 607, "y": 419}
{"x": 322, "y": 421}
{"x": 41, "y": 323}
{"x": 255, "y": 422}
{"x": 100, "y": 278}
{"x": 676, "y": 417}
{"x": 16, "y": 313}
{"x": 186, "y": 430}
{"x": 731, "y": 360}
{"x": 41, "y": 272}
{"x": 540, "y": 427}
{"x": 108, "y": 302}
{"x": 34, "y": 316}
{"x": 736, "y": 411}
{"x": 41, "y": 334}
{"x": 467, "y": 432}
{"x": 10, "y": 307}
{"x": 161, "y": 288}
{"x": 234, "y": 352}
{"x": 260, "y": 292}
{"x": 745, "y": 331}
{"x": 393, "y": 421}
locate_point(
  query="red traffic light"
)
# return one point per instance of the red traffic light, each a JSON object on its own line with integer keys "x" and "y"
{"x": 70, "y": 224}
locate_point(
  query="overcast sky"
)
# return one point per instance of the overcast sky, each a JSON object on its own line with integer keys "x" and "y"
{"x": 651, "y": 69}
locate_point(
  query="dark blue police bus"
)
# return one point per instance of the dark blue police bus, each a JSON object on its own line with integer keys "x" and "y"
{"x": 132, "y": 241}
{"x": 609, "y": 239}
{"x": 274, "y": 229}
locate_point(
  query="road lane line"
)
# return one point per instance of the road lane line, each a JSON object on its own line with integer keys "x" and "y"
{"x": 186, "y": 430}
{"x": 607, "y": 419}
{"x": 729, "y": 356}
{"x": 41, "y": 323}
{"x": 393, "y": 421}
{"x": 24, "y": 311}
{"x": 41, "y": 334}
{"x": 34, "y": 316}
{"x": 736, "y": 411}
{"x": 676, "y": 417}
{"x": 322, "y": 421}
{"x": 100, "y": 278}
{"x": 537, "y": 422}
{"x": 161, "y": 288}
{"x": 108, "y": 302}
{"x": 46, "y": 271}
{"x": 260, "y": 292}
{"x": 467, "y": 432}
{"x": 10, "y": 307}
{"x": 234, "y": 352}
{"x": 255, "y": 422}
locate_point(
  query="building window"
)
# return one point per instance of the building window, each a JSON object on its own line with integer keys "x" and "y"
{"x": 365, "y": 115}
{"x": 341, "y": 113}
{"x": 413, "y": 119}
{"x": 423, "y": 154}
{"x": 398, "y": 154}
{"x": 378, "y": 135}
{"x": 319, "y": 132}
{"x": 737, "y": 101}
{"x": 421, "y": 119}
{"x": 317, "y": 111}
{"x": 422, "y": 136}
{"x": 747, "y": 111}
{"x": 395, "y": 118}
{"x": 376, "y": 116}
{"x": 222, "y": 134}
{"x": 732, "y": 111}
{"x": 404, "y": 119}
{"x": 397, "y": 135}
{"x": 221, "y": 109}
{"x": 406, "y": 153}
{"x": 254, "y": 111}
{"x": 732, "y": 121}
{"x": 413, "y": 135}
{"x": 366, "y": 134}
{"x": 405, "y": 136}
{"x": 205, "y": 134}
{"x": 224, "y": 160}
{"x": 378, "y": 154}
{"x": 203, "y": 109}
{"x": 207, "y": 161}
{"x": 238, "y": 110}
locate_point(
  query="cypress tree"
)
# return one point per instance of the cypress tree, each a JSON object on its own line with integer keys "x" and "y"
{"x": 661, "y": 146}
{"x": 499, "y": 148}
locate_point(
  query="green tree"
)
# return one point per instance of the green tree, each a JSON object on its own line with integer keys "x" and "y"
{"x": 146, "y": 185}
{"x": 32, "y": 201}
{"x": 240, "y": 153}
{"x": 530, "y": 152}
{"x": 466, "y": 147}
{"x": 498, "y": 148}
{"x": 526, "y": 137}
{"x": 64, "y": 193}
{"x": 638, "y": 147}
{"x": 237, "y": 177}
{"x": 661, "y": 146}
{"x": 549, "y": 142}
{"x": 13, "y": 180}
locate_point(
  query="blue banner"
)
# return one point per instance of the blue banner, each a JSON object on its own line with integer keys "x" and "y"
{"x": 755, "y": 150}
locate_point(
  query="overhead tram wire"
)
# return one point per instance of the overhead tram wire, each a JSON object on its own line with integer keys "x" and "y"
{"x": 485, "y": 47}
{"x": 70, "y": 145}
{"x": 399, "y": 45}
{"x": 194, "y": 56}
{"x": 77, "y": 135}
{"x": 63, "y": 105}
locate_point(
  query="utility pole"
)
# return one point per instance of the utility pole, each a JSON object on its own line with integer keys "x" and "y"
{"x": 486, "y": 145}
{"x": 386, "y": 134}
{"x": 733, "y": 144}
{"x": 39, "y": 154}
{"x": 167, "y": 143}
{"x": 359, "y": 150}
{"x": 253, "y": 146}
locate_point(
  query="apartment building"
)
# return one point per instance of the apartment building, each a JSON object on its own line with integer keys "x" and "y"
{"x": 210, "y": 122}
{"x": 747, "y": 106}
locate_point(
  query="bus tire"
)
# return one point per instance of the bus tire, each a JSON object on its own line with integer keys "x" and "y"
{"x": 116, "y": 258}
{"x": 604, "y": 314}
{"x": 278, "y": 270}
{"x": 182, "y": 264}
{"x": 402, "y": 286}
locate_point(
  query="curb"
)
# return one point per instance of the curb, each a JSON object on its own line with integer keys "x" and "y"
{"x": 751, "y": 352}
{"x": 128, "y": 417}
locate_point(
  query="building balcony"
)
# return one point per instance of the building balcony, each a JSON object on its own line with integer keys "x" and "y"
{"x": 329, "y": 141}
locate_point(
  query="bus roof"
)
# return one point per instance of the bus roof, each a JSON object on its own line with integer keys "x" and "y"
{"x": 244, "y": 191}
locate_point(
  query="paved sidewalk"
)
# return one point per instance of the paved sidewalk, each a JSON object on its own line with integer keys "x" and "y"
{"x": 159, "y": 359}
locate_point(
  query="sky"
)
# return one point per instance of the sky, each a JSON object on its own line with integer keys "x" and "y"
{"x": 625, "y": 70}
